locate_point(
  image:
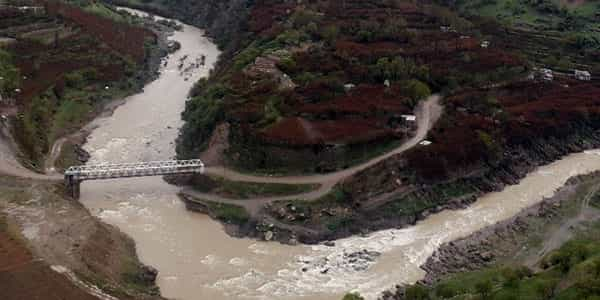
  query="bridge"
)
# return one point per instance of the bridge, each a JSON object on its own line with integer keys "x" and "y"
{"x": 76, "y": 174}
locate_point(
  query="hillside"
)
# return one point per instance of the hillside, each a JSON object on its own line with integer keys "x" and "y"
{"x": 322, "y": 86}
{"x": 67, "y": 62}
{"x": 317, "y": 89}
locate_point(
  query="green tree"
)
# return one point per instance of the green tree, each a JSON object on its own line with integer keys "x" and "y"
{"x": 353, "y": 296}
{"x": 416, "y": 292}
{"x": 9, "y": 74}
{"x": 416, "y": 90}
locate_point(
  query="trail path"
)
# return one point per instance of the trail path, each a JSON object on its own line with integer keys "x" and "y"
{"x": 565, "y": 232}
{"x": 53, "y": 156}
{"x": 9, "y": 165}
{"x": 428, "y": 112}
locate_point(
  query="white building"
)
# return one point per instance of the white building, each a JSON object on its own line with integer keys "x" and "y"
{"x": 485, "y": 44}
{"x": 583, "y": 75}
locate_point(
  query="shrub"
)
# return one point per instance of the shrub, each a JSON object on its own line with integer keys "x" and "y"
{"x": 416, "y": 90}
{"x": 9, "y": 73}
{"x": 353, "y": 296}
{"x": 416, "y": 292}
{"x": 74, "y": 79}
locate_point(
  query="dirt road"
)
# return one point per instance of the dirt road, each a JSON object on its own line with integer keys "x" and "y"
{"x": 428, "y": 112}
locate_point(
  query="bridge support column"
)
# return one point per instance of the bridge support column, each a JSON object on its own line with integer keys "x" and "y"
{"x": 73, "y": 187}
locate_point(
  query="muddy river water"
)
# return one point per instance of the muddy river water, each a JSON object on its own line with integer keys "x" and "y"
{"x": 197, "y": 260}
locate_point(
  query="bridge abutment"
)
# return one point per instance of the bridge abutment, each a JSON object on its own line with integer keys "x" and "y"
{"x": 73, "y": 187}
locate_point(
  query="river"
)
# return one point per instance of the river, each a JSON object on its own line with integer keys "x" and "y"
{"x": 197, "y": 260}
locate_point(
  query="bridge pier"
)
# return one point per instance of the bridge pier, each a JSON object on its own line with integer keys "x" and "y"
{"x": 73, "y": 187}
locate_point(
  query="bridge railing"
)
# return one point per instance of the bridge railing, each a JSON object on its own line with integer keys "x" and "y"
{"x": 134, "y": 169}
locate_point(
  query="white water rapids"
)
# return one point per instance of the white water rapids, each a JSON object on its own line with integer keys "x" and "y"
{"x": 197, "y": 260}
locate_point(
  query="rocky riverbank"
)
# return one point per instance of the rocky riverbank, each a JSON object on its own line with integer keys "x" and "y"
{"x": 521, "y": 240}
{"x": 354, "y": 213}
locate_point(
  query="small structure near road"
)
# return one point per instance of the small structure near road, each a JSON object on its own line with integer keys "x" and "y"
{"x": 425, "y": 143}
{"x": 583, "y": 75}
{"x": 546, "y": 74}
{"x": 409, "y": 118}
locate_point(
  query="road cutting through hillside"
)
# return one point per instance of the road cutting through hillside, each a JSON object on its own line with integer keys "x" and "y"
{"x": 428, "y": 112}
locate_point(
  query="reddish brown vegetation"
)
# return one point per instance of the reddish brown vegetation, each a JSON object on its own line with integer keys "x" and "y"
{"x": 41, "y": 75}
{"x": 320, "y": 100}
{"x": 264, "y": 15}
{"x": 532, "y": 112}
{"x": 98, "y": 46}
{"x": 365, "y": 99}
{"x": 301, "y": 132}
{"x": 123, "y": 38}
{"x": 367, "y": 51}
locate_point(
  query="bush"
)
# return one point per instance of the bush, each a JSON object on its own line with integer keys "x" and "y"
{"x": 416, "y": 90}
{"x": 246, "y": 57}
{"x": 416, "y": 292}
{"x": 9, "y": 73}
{"x": 74, "y": 80}
{"x": 353, "y": 296}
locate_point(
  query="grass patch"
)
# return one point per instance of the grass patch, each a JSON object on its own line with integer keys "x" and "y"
{"x": 412, "y": 203}
{"x": 70, "y": 114}
{"x": 67, "y": 157}
{"x": 338, "y": 223}
{"x": 105, "y": 12}
{"x": 228, "y": 213}
{"x": 570, "y": 272}
{"x": 132, "y": 278}
{"x": 246, "y": 190}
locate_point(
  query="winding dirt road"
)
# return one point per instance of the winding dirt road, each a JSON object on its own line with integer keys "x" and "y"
{"x": 428, "y": 112}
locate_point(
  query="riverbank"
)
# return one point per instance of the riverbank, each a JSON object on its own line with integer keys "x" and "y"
{"x": 69, "y": 252}
{"x": 338, "y": 212}
{"x": 526, "y": 239}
